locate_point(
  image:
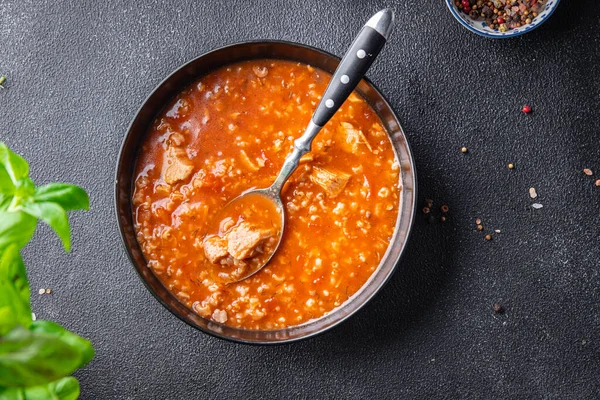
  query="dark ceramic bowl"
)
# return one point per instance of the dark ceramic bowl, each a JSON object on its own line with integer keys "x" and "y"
{"x": 168, "y": 89}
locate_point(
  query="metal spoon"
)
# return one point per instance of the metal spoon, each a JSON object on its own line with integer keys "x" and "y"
{"x": 349, "y": 73}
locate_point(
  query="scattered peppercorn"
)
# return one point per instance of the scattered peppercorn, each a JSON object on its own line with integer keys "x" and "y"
{"x": 498, "y": 309}
{"x": 443, "y": 219}
{"x": 478, "y": 221}
{"x": 444, "y": 208}
{"x": 511, "y": 166}
{"x": 48, "y": 291}
{"x": 42, "y": 291}
{"x": 426, "y": 210}
{"x": 526, "y": 109}
{"x": 488, "y": 237}
{"x": 598, "y": 182}
{"x": 588, "y": 172}
{"x": 480, "y": 227}
{"x": 429, "y": 203}
{"x": 464, "y": 150}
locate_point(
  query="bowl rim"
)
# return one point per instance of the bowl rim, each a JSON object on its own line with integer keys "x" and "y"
{"x": 459, "y": 18}
{"x": 411, "y": 214}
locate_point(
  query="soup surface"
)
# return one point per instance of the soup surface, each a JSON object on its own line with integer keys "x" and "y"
{"x": 229, "y": 132}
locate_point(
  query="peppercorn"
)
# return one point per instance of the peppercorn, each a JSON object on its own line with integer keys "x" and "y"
{"x": 464, "y": 150}
{"x": 488, "y": 237}
{"x": 444, "y": 208}
{"x": 498, "y": 309}
{"x": 511, "y": 166}
{"x": 588, "y": 172}
{"x": 598, "y": 182}
{"x": 426, "y": 210}
{"x": 479, "y": 228}
{"x": 510, "y": 14}
{"x": 429, "y": 203}
{"x": 443, "y": 219}
{"x": 478, "y": 221}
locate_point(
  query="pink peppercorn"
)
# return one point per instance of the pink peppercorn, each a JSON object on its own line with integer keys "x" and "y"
{"x": 526, "y": 109}
{"x": 467, "y": 9}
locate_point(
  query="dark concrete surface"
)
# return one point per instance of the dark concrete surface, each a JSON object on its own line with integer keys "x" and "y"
{"x": 77, "y": 72}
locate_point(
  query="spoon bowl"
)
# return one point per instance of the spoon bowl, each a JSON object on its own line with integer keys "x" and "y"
{"x": 266, "y": 207}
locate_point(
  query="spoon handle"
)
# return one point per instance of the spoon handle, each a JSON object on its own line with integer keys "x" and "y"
{"x": 354, "y": 65}
{"x": 350, "y": 71}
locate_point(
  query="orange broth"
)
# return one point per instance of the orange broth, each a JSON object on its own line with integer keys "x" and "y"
{"x": 230, "y": 131}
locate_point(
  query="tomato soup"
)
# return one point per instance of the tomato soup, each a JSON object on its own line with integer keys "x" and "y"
{"x": 231, "y": 131}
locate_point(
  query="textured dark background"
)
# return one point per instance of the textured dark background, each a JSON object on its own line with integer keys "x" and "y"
{"x": 77, "y": 72}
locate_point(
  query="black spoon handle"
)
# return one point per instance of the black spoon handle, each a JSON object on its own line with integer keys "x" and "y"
{"x": 354, "y": 65}
{"x": 351, "y": 70}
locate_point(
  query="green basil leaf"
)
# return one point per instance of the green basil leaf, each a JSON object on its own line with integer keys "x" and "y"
{"x": 62, "y": 389}
{"x": 83, "y": 346}
{"x": 16, "y": 228}
{"x": 13, "y": 310}
{"x": 14, "y": 299}
{"x": 15, "y": 165}
{"x": 69, "y": 197}
{"x": 7, "y": 186}
{"x": 5, "y": 201}
{"x": 55, "y": 216}
{"x": 24, "y": 188}
{"x": 41, "y": 354}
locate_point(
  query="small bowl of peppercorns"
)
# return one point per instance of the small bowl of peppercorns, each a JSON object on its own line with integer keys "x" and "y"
{"x": 501, "y": 18}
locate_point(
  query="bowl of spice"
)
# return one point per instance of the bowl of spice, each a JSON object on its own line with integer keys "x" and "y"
{"x": 501, "y": 18}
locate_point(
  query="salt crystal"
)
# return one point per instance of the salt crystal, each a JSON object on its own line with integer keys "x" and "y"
{"x": 497, "y": 230}
{"x": 537, "y": 206}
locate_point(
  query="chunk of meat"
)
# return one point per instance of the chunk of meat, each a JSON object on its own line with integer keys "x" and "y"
{"x": 244, "y": 238}
{"x": 176, "y": 166}
{"x": 332, "y": 181}
{"x": 351, "y": 138}
{"x": 215, "y": 249}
